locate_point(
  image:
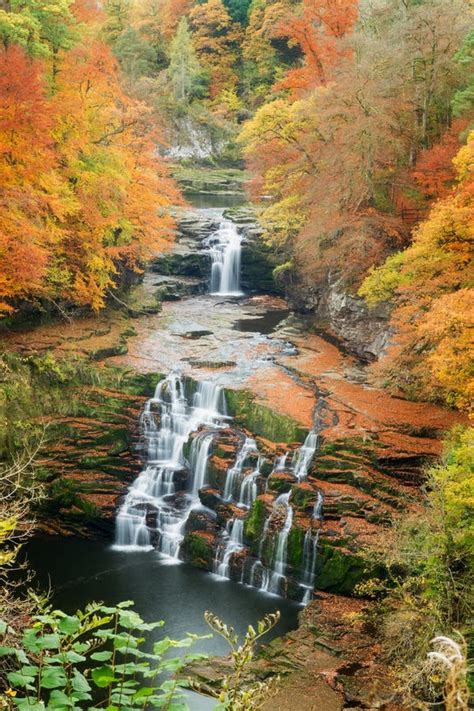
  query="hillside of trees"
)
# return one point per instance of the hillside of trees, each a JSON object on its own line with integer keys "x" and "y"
{"x": 352, "y": 117}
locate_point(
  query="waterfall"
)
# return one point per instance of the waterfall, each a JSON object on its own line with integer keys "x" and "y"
{"x": 248, "y": 488}
{"x": 279, "y": 561}
{"x": 309, "y": 563}
{"x": 233, "y": 544}
{"x": 149, "y": 513}
{"x": 198, "y": 461}
{"x": 234, "y": 474}
{"x": 318, "y": 507}
{"x": 304, "y": 455}
{"x": 225, "y": 250}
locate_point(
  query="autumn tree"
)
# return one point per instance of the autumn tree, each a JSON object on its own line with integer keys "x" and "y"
{"x": 216, "y": 40}
{"x": 431, "y": 284}
{"x": 83, "y": 193}
{"x": 27, "y": 162}
{"x": 318, "y": 27}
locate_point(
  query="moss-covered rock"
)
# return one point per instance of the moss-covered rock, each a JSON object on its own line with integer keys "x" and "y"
{"x": 338, "y": 570}
{"x": 255, "y": 522}
{"x": 280, "y": 482}
{"x": 262, "y": 421}
{"x": 190, "y": 264}
{"x": 198, "y": 549}
{"x": 295, "y": 547}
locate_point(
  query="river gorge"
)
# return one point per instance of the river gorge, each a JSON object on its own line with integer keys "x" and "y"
{"x": 239, "y": 461}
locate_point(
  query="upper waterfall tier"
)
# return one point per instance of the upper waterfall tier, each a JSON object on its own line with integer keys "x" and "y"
{"x": 225, "y": 247}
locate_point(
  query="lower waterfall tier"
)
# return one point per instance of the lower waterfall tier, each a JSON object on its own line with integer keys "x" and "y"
{"x": 240, "y": 506}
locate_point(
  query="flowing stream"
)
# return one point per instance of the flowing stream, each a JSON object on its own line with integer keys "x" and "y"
{"x": 179, "y": 425}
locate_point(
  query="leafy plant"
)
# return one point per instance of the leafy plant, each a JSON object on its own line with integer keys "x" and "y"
{"x": 91, "y": 660}
{"x": 235, "y": 694}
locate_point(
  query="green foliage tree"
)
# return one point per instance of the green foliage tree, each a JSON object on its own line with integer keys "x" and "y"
{"x": 118, "y": 19}
{"x": 42, "y": 27}
{"x": 187, "y": 78}
{"x": 136, "y": 57}
{"x": 463, "y": 101}
{"x": 238, "y": 10}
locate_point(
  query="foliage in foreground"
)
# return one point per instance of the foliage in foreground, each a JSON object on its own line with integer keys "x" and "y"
{"x": 234, "y": 694}
{"x": 429, "y": 592}
{"x": 90, "y": 660}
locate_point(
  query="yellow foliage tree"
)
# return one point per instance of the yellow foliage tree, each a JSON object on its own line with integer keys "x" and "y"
{"x": 432, "y": 283}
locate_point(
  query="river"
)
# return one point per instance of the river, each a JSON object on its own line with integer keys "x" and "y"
{"x": 79, "y": 571}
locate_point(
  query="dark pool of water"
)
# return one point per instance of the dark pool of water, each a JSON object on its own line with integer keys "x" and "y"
{"x": 80, "y": 571}
{"x": 216, "y": 200}
{"x": 262, "y": 324}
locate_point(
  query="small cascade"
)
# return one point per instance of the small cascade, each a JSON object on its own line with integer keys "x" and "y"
{"x": 233, "y": 544}
{"x": 304, "y": 455}
{"x": 225, "y": 250}
{"x": 318, "y": 507}
{"x": 280, "y": 463}
{"x": 149, "y": 514}
{"x": 248, "y": 488}
{"x": 310, "y": 551}
{"x": 234, "y": 474}
{"x": 279, "y": 560}
{"x": 198, "y": 460}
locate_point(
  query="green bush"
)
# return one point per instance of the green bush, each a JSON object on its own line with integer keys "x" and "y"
{"x": 91, "y": 660}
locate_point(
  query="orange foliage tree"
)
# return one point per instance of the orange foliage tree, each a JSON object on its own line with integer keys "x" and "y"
{"x": 26, "y": 160}
{"x": 318, "y": 28}
{"x": 83, "y": 192}
{"x": 216, "y": 40}
{"x": 432, "y": 285}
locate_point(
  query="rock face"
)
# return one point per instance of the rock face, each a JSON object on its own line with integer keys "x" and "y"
{"x": 364, "y": 332}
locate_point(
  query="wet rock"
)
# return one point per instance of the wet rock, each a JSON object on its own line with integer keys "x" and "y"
{"x": 280, "y": 482}
{"x": 303, "y": 496}
{"x": 195, "y": 335}
{"x": 198, "y": 549}
{"x": 190, "y": 265}
{"x": 210, "y": 497}
{"x": 201, "y": 520}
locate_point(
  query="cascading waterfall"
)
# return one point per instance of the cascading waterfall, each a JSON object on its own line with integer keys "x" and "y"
{"x": 304, "y": 455}
{"x": 198, "y": 461}
{"x": 234, "y": 474}
{"x": 160, "y": 500}
{"x": 225, "y": 246}
{"x": 279, "y": 562}
{"x": 318, "y": 507}
{"x": 310, "y": 551}
{"x": 148, "y": 511}
{"x": 248, "y": 488}
{"x": 234, "y": 542}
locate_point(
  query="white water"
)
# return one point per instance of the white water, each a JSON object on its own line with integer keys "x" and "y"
{"x": 310, "y": 551}
{"x": 234, "y": 474}
{"x": 248, "y": 488}
{"x": 233, "y": 544}
{"x": 304, "y": 455}
{"x": 225, "y": 246}
{"x": 159, "y": 501}
{"x": 279, "y": 561}
{"x": 318, "y": 507}
{"x": 149, "y": 512}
